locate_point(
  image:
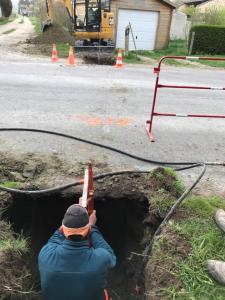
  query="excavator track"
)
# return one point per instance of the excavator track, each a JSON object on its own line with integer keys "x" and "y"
{"x": 104, "y": 55}
{"x": 94, "y": 49}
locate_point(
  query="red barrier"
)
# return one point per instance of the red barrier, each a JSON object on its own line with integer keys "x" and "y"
{"x": 158, "y": 85}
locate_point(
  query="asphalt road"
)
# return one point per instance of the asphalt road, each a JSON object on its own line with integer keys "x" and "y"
{"x": 110, "y": 106}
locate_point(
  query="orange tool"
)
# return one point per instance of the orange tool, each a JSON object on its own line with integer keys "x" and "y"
{"x": 87, "y": 199}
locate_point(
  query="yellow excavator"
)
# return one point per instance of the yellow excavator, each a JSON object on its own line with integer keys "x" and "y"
{"x": 93, "y": 22}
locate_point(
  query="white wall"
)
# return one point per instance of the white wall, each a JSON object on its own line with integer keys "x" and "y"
{"x": 179, "y": 26}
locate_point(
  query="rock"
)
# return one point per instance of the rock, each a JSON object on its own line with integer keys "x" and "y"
{"x": 71, "y": 172}
{"x": 29, "y": 170}
{"x": 55, "y": 152}
{"x": 16, "y": 176}
{"x": 100, "y": 180}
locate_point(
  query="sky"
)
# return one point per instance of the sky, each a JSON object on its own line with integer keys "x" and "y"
{"x": 15, "y": 5}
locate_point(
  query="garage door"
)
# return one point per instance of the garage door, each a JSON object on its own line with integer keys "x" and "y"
{"x": 144, "y": 25}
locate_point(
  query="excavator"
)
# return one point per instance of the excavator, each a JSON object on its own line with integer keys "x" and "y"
{"x": 93, "y": 23}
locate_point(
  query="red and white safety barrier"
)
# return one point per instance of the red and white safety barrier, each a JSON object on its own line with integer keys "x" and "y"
{"x": 158, "y": 85}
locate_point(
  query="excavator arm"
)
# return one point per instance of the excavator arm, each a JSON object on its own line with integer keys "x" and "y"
{"x": 50, "y": 16}
{"x": 93, "y": 23}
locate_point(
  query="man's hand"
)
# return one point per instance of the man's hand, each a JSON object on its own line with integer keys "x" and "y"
{"x": 93, "y": 218}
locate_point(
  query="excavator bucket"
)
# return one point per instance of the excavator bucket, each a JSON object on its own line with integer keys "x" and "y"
{"x": 45, "y": 25}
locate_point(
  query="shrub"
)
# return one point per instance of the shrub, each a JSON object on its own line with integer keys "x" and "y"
{"x": 208, "y": 39}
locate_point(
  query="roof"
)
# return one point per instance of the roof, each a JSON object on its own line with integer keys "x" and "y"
{"x": 196, "y": 2}
{"x": 169, "y": 3}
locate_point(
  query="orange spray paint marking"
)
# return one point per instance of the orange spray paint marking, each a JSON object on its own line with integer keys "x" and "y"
{"x": 110, "y": 121}
{"x": 124, "y": 122}
{"x": 96, "y": 121}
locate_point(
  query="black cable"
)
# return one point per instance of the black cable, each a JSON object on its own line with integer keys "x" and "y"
{"x": 186, "y": 165}
{"x": 148, "y": 249}
{"x": 156, "y": 162}
{"x": 75, "y": 183}
{"x": 66, "y": 186}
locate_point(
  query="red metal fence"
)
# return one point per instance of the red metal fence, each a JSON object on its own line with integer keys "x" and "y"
{"x": 174, "y": 86}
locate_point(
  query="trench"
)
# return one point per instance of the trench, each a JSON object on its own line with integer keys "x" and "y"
{"x": 123, "y": 222}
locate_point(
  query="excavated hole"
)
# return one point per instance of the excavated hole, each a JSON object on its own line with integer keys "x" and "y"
{"x": 102, "y": 59}
{"x": 122, "y": 221}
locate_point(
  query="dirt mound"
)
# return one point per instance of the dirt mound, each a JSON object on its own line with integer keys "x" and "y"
{"x": 54, "y": 34}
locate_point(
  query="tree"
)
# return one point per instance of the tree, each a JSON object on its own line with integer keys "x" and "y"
{"x": 6, "y": 8}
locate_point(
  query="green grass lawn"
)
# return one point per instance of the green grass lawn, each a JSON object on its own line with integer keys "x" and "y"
{"x": 178, "y": 48}
{"x": 37, "y": 24}
{"x": 131, "y": 57}
{"x": 206, "y": 241}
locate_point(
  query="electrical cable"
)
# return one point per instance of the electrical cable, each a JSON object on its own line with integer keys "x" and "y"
{"x": 76, "y": 183}
{"x": 148, "y": 250}
{"x": 185, "y": 166}
{"x": 110, "y": 148}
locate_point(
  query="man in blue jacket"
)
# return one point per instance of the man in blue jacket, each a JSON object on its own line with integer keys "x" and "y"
{"x": 75, "y": 262}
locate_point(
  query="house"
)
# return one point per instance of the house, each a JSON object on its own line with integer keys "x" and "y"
{"x": 150, "y": 22}
{"x": 188, "y": 3}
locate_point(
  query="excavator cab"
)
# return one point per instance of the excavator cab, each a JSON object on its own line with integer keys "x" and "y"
{"x": 94, "y": 22}
{"x": 90, "y": 12}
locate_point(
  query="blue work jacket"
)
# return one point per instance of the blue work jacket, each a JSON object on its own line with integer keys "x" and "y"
{"x": 73, "y": 270}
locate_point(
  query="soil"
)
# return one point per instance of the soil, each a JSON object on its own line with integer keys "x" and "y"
{"x": 158, "y": 273}
{"x": 101, "y": 59}
{"x": 123, "y": 206}
{"x": 54, "y": 34}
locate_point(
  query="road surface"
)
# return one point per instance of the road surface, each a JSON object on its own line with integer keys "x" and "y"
{"x": 111, "y": 106}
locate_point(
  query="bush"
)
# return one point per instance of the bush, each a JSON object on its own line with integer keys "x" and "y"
{"x": 208, "y": 39}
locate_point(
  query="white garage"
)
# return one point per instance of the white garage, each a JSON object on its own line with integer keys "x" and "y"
{"x": 150, "y": 21}
{"x": 144, "y": 25}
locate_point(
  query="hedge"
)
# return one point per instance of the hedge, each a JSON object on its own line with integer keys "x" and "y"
{"x": 209, "y": 39}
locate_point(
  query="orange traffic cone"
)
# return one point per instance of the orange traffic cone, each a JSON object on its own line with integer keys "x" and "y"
{"x": 119, "y": 60}
{"x": 54, "y": 54}
{"x": 71, "y": 58}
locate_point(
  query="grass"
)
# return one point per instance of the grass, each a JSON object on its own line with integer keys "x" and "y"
{"x": 4, "y": 21}
{"x": 207, "y": 242}
{"x": 176, "y": 47}
{"x": 11, "y": 184}
{"x": 9, "y": 31}
{"x": 63, "y": 49}
{"x": 132, "y": 58}
{"x": 18, "y": 245}
{"x": 37, "y": 24}
{"x": 21, "y": 21}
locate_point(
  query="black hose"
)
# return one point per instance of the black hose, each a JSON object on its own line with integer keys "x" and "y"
{"x": 186, "y": 165}
{"x": 148, "y": 250}
{"x": 76, "y": 183}
{"x": 66, "y": 186}
{"x": 155, "y": 162}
